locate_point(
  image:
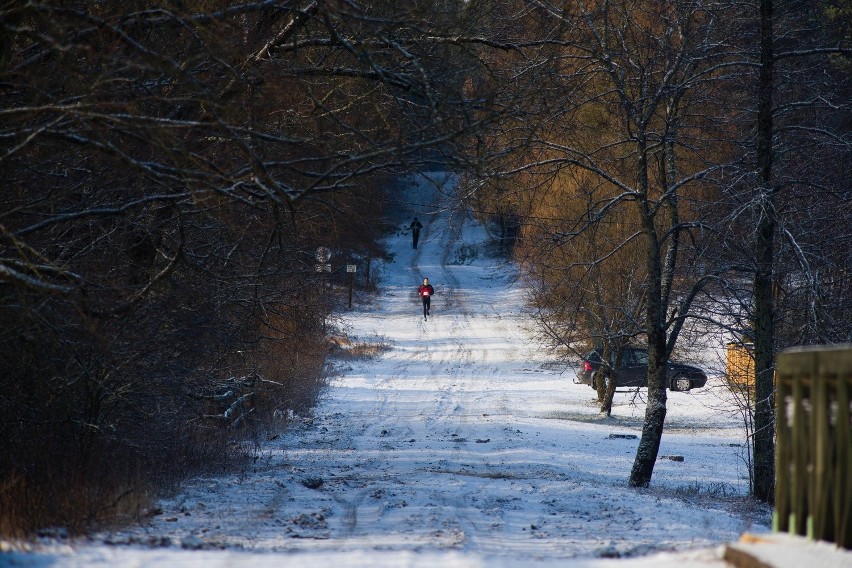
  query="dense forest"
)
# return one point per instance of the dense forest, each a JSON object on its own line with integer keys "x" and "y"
{"x": 170, "y": 169}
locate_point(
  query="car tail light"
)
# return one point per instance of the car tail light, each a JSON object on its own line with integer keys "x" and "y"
{"x": 587, "y": 366}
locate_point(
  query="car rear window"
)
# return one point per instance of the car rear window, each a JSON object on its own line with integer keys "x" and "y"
{"x": 593, "y": 356}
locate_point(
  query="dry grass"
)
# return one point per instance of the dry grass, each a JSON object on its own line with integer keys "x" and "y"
{"x": 343, "y": 348}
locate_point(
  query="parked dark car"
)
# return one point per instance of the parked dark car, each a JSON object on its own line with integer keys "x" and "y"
{"x": 634, "y": 371}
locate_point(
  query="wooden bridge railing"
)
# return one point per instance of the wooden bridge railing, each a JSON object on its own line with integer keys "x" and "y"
{"x": 813, "y": 489}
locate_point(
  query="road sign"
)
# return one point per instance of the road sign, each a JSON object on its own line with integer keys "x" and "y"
{"x": 351, "y": 268}
{"x": 323, "y": 267}
{"x": 323, "y": 254}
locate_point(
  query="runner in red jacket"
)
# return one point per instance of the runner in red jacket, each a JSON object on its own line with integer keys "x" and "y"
{"x": 426, "y": 292}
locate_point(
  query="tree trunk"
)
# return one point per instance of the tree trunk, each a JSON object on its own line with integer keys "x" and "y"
{"x": 764, "y": 321}
{"x": 655, "y": 412}
{"x": 604, "y": 375}
{"x": 606, "y": 387}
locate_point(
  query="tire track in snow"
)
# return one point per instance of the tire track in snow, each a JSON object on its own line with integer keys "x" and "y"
{"x": 463, "y": 371}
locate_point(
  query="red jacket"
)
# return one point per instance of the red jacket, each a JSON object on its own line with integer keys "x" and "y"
{"x": 426, "y": 290}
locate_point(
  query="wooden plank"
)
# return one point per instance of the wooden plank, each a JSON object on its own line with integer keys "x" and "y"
{"x": 818, "y": 465}
{"x": 843, "y": 476}
{"x": 799, "y": 441}
{"x": 836, "y": 367}
{"x": 783, "y": 459}
{"x": 743, "y": 558}
{"x": 784, "y": 551}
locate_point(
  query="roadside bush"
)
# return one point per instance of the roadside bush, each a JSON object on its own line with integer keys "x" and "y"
{"x": 110, "y": 396}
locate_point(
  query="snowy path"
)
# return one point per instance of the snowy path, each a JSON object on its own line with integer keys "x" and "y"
{"x": 461, "y": 444}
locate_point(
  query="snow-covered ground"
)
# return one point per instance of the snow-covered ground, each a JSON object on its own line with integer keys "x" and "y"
{"x": 463, "y": 442}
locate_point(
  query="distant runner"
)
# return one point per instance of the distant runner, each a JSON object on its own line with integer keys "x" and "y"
{"x": 426, "y": 292}
{"x": 416, "y": 225}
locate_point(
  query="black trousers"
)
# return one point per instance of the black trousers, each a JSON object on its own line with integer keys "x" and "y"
{"x": 415, "y": 237}
{"x": 427, "y": 302}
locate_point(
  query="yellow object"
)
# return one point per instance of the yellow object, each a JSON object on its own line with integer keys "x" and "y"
{"x": 739, "y": 363}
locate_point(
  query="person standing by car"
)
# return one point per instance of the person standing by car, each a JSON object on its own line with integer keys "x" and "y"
{"x": 426, "y": 292}
{"x": 416, "y": 225}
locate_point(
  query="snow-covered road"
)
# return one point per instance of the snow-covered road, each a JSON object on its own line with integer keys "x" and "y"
{"x": 461, "y": 443}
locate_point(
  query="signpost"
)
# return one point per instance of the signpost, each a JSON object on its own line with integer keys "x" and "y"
{"x": 323, "y": 256}
{"x": 351, "y": 269}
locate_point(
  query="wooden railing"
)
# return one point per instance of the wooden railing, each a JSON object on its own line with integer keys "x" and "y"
{"x": 813, "y": 489}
